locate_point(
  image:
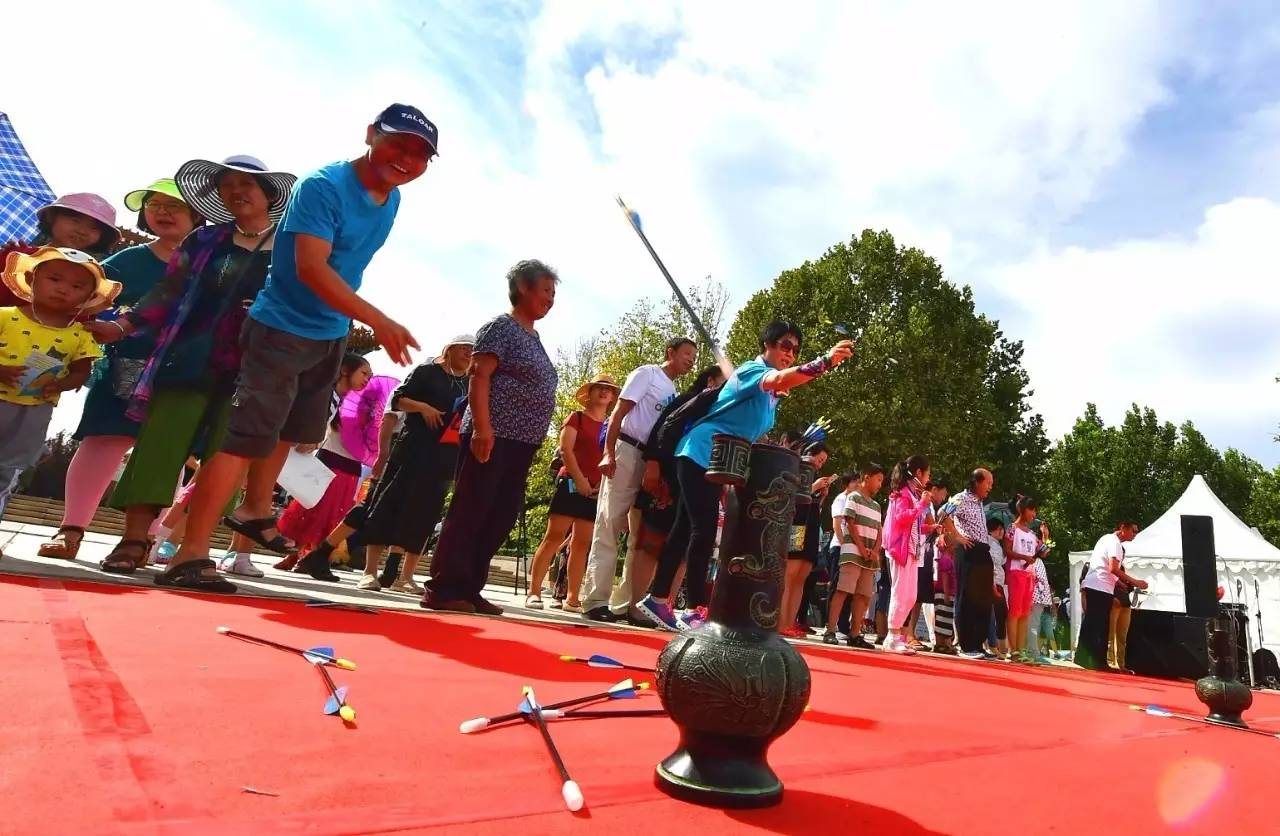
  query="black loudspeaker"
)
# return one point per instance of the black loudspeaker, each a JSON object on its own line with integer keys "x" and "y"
{"x": 1199, "y": 566}
{"x": 1175, "y": 646}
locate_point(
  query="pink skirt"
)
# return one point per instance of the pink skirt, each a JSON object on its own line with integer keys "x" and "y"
{"x": 308, "y": 526}
{"x": 1021, "y": 588}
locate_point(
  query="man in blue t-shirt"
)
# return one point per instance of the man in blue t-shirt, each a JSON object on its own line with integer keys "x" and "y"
{"x": 295, "y": 335}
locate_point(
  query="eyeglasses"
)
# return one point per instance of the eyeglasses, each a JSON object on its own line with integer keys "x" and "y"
{"x": 789, "y": 346}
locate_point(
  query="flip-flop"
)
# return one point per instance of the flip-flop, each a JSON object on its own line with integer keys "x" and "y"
{"x": 253, "y": 530}
{"x": 188, "y": 575}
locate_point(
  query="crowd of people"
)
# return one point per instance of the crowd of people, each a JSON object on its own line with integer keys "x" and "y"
{"x": 217, "y": 351}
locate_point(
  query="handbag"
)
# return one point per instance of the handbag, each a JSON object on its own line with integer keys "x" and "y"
{"x": 125, "y": 372}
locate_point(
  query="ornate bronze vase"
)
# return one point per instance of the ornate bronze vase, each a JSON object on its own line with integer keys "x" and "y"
{"x": 733, "y": 685}
{"x": 1221, "y": 691}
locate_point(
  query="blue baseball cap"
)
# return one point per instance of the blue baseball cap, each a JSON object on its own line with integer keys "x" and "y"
{"x": 406, "y": 119}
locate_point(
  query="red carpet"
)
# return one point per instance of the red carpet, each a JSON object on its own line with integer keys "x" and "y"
{"x": 129, "y": 713}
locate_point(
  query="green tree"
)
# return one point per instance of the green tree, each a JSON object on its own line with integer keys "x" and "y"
{"x": 930, "y": 374}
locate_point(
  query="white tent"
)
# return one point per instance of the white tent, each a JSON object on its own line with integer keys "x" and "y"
{"x": 1248, "y": 566}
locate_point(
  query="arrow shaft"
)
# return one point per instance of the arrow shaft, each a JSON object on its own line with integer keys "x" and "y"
{"x": 256, "y": 640}
{"x": 721, "y": 360}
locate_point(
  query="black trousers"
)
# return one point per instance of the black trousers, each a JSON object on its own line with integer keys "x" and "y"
{"x": 695, "y": 526}
{"x": 409, "y": 506}
{"x": 976, "y": 594}
{"x": 486, "y": 502}
{"x": 1095, "y": 630}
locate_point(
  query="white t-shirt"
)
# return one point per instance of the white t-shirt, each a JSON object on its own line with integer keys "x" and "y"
{"x": 649, "y": 388}
{"x": 837, "y": 517}
{"x": 1024, "y": 542}
{"x": 997, "y": 561}
{"x": 1100, "y": 577}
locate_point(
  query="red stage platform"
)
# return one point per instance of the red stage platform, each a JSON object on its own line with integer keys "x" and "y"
{"x": 128, "y": 713}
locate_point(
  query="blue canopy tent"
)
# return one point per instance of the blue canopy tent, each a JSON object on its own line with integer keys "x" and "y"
{"x": 23, "y": 189}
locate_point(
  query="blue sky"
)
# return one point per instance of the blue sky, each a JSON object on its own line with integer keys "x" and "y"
{"x": 1103, "y": 175}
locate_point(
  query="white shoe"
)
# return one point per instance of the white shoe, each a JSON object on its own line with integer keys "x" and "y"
{"x": 238, "y": 563}
{"x": 406, "y": 586}
{"x": 369, "y": 582}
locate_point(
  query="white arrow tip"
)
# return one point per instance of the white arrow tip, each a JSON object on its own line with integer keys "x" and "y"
{"x": 473, "y": 725}
{"x": 572, "y": 796}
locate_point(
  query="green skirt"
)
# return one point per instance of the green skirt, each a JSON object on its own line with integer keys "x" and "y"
{"x": 178, "y": 420}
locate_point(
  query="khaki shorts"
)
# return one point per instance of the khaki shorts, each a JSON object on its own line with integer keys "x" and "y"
{"x": 856, "y": 580}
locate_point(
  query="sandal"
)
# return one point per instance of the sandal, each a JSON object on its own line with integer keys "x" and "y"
{"x": 191, "y": 575}
{"x": 63, "y": 550}
{"x": 118, "y": 562}
{"x": 253, "y": 529}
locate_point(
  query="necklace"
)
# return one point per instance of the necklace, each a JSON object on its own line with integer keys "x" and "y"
{"x": 41, "y": 321}
{"x": 257, "y": 234}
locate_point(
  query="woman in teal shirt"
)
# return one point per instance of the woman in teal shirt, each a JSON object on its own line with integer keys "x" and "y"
{"x": 745, "y": 408}
{"x": 105, "y": 432}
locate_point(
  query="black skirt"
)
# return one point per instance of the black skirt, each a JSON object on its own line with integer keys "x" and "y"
{"x": 568, "y": 503}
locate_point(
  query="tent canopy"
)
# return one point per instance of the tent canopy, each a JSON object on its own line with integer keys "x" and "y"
{"x": 1232, "y": 539}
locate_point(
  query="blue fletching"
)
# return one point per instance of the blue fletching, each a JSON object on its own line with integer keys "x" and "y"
{"x": 326, "y": 653}
{"x": 335, "y": 702}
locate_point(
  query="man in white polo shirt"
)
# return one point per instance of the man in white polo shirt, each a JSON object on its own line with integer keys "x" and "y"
{"x": 1098, "y": 590}
{"x": 644, "y": 394}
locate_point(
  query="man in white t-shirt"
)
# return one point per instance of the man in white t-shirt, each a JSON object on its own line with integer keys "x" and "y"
{"x": 1098, "y": 591}
{"x": 644, "y": 394}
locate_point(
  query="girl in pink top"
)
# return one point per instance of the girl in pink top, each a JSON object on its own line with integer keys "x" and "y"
{"x": 907, "y": 503}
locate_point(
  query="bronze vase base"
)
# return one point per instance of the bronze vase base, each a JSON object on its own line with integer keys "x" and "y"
{"x": 719, "y": 771}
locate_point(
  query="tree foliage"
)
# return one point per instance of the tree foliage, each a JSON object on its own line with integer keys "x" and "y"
{"x": 1098, "y": 475}
{"x": 930, "y": 374}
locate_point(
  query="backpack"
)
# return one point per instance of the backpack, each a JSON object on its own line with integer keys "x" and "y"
{"x": 675, "y": 420}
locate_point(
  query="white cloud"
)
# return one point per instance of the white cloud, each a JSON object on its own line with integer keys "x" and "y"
{"x": 748, "y": 140}
{"x": 1184, "y": 326}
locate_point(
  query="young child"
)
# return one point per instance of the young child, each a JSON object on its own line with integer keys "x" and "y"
{"x": 1024, "y": 550}
{"x": 80, "y": 221}
{"x": 999, "y": 605}
{"x": 43, "y": 350}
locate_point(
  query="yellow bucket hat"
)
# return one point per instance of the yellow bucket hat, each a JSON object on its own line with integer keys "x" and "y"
{"x": 20, "y": 270}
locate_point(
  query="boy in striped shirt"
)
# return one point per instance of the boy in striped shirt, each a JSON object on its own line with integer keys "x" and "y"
{"x": 859, "y": 555}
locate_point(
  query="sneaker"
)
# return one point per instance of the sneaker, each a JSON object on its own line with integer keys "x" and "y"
{"x": 533, "y": 602}
{"x": 316, "y": 564}
{"x": 163, "y": 552}
{"x": 657, "y": 612}
{"x": 368, "y": 582}
{"x": 601, "y": 613}
{"x": 238, "y": 563}
{"x": 860, "y": 643}
{"x": 692, "y": 619}
{"x": 485, "y": 607}
{"x": 407, "y": 586}
{"x": 830, "y": 638}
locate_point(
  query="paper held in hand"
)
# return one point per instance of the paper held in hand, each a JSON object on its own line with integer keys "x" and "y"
{"x": 305, "y": 478}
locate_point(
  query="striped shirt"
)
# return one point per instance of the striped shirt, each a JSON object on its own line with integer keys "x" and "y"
{"x": 862, "y": 520}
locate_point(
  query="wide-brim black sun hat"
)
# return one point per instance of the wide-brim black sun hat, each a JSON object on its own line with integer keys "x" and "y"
{"x": 197, "y": 181}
